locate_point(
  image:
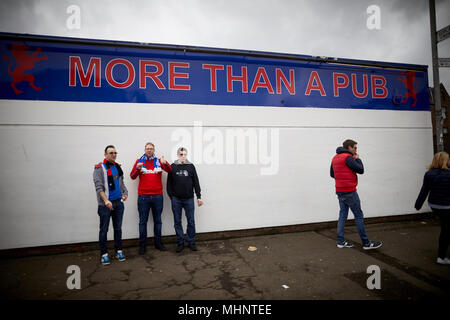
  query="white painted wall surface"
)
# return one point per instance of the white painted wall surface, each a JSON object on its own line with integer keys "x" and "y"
{"x": 49, "y": 150}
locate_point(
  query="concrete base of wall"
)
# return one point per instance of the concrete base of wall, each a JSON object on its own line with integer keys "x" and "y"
{"x": 88, "y": 246}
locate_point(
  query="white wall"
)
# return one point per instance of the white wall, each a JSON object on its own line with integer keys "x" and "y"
{"x": 49, "y": 150}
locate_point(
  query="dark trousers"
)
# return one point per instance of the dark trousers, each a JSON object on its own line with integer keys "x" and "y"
{"x": 444, "y": 237}
{"x": 177, "y": 207}
{"x": 146, "y": 203}
{"x": 105, "y": 215}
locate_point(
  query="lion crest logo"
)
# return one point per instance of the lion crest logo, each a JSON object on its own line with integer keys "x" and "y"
{"x": 409, "y": 81}
{"x": 24, "y": 62}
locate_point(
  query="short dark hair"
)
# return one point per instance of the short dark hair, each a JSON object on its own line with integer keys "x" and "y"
{"x": 349, "y": 143}
{"x": 110, "y": 146}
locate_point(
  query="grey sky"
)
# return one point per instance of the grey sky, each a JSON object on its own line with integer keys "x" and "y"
{"x": 321, "y": 28}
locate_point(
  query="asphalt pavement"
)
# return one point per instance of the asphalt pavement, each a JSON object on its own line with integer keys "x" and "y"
{"x": 287, "y": 266}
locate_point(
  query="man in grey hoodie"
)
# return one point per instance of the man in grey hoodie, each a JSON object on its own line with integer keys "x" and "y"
{"x": 111, "y": 192}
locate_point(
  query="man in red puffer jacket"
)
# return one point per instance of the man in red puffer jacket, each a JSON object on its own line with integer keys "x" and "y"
{"x": 344, "y": 167}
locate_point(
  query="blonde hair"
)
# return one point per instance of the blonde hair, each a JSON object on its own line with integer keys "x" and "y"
{"x": 439, "y": 161}
{"x": 148, "y": 144}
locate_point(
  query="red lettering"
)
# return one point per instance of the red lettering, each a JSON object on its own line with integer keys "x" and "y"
{"x": 381, "y": 86}
{"x": 213, "y": 74}
{"x": 76, "y": 67}
{"x": 314, "y": 77}
{"x": 355, "y": 89}
{"x": 109, "y": 70}
{"x": 337, "y": 85}
{"x": 266, "y": 84}
{"x": 290, "y": 86}
{"x": 143, "y": 73}
{"x": 173, "y": 75}
{"x": 242, "y": 79}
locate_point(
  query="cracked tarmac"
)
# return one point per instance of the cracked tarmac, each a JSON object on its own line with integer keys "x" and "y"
{"x": 287, "y": 266}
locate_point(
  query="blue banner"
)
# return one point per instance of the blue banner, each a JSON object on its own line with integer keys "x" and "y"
{"x": 64, "y": 71}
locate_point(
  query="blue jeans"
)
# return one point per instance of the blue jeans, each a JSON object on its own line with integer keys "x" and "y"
{"x": 145, "y": 203}
{"x": 351, "y": 200}
{"x": 177, "y": 206}
{"x": 105, "y": 215}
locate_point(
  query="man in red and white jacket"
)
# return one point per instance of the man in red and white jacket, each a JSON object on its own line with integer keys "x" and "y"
{"x": 344, "y": 167}
{"x": 150, "y": 194}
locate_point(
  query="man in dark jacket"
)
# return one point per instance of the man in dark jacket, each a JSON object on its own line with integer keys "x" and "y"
{"x": 344, "y": 167}
{"x": 181, "y": 183}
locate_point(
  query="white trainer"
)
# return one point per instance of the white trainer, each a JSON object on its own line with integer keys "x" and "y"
{"x": 443, "y": 261}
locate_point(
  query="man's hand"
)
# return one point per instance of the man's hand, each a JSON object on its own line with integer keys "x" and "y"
{"x": 356, "y": 156}
{"x": 164, "y": 161}
{"x": 139, "y": 166}
{"x": 108, "y": 204}
{"x": 199, "y": 202}
{"x": 124, "y": 197}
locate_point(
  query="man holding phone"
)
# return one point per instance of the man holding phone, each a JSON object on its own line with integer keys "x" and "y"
{"x": 344, "y": 167}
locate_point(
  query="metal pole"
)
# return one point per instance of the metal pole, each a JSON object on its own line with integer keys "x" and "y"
{"x": 436, "y": 81}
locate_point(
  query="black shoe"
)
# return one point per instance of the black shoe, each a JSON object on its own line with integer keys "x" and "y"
{"x": 192, "y": 246}
{"x": 142, "y": 250}
{"x": 346, "y": 244}
{"x": 372, "y": 245}
{"x": 160, "y": 247}
{"x": 180, "y": 247}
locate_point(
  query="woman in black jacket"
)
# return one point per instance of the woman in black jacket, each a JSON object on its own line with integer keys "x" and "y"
{"x": 436, "y": 182}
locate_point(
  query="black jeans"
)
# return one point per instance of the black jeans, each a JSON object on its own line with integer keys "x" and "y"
{"x": 444, "y": 238}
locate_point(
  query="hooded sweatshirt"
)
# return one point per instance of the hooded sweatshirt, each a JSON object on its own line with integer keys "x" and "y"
{"x": 183, "y": 180}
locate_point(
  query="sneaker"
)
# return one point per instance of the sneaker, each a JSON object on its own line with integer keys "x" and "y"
{"x": 160, "y": 247}
{"x": 105, "y": 259}
{"x": 192, "y": 246}
{"x": 345, "y": 245}
{"x": 372, "y": 245}
{"x": 443, "y": 261}
{"x": 120, "y": 256}
{"x": 180, "y": 247}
